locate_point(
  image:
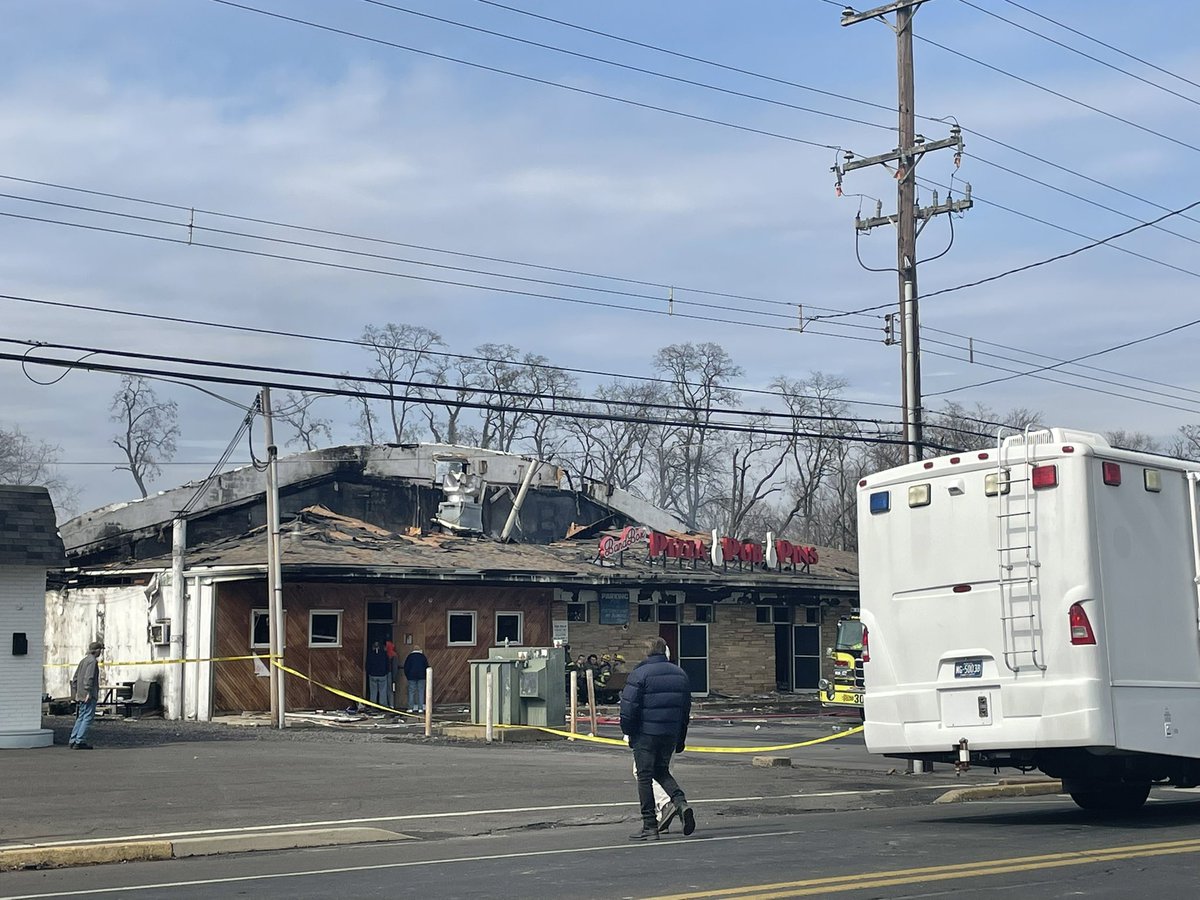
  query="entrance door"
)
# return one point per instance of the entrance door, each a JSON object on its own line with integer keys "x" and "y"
{"x": 380, "y": 627}
{"x": 806, "y": 661}
{"x": 669, "y": 632}
{"x": 693, "y": 656}
{"x": 783, "y": 657}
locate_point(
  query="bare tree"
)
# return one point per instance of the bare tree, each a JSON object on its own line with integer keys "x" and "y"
{"x": 614, "y": 450}
{"x": 552, "y": 387}
{"x": 1186, "y": 443}
{"x": 754, "y": 461}
{"x": 501, "y": 371}
{"x": 819, "y": 424}
{"x": 148, "y": 428}
{"x": 956, "y": 427}
{"x": 1133, "y": 440}
{"x": 689, "y": 455}
{"x": 401, "y": 353}
{"x": 449, "y": 423}
{"x": 296, "y": 411}
{"x": 24, "y": 460}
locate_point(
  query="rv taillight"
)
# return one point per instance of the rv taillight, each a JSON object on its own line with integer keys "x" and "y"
{"x": 1081, "y": 628}
{"x": 1045, "y": 476}
{"x": 866, "y": 650}
{"x": 1111, "y": 472}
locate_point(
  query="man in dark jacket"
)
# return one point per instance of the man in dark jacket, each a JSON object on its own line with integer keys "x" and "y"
{"x": 656, "y": 703}
{"x": 415, "y": 665}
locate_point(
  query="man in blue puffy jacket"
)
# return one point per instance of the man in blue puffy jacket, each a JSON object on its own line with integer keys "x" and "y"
{"x": 656, "y": 703}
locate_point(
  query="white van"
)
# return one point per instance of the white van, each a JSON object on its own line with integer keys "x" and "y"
{"x": 1036, "y": 606}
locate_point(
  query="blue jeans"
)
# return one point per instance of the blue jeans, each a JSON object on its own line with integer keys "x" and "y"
{"x": 416, "y": 695}
{"x": 83, "y": 721}
{"x": 378, "y": 690}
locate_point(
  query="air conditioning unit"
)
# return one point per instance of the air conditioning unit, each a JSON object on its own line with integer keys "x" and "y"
{"x": 160, "y": 632}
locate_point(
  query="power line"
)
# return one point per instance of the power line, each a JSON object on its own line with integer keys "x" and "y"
{"x": 423, "y": 278}
{"x": 544, "y": 81}
{"x": 1188, "y": 409}
{"x": 1042, "y": 262}
{"x": 845, "y": 97}
{"x": 193, "y": 227}
{"x": 274, "y": 332}
{"x": 91, "y": 365}
{"x": 1094, "y": 40}
{"x": 972, "y": 341}
{"x": 1041, "y": 87}
{"x": 1069, "y": 253}
{"x": 620, "y": 65}
{"x": 483, "y": 389}
{"x": 664, "y": 285}
{"x": 1092, "y": 355}
{"x": 1075, "y": 50}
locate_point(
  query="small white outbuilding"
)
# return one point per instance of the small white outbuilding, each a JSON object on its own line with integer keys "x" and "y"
{"x": 29, "y": 546}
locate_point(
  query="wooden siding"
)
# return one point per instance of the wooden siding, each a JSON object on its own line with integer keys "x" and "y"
{"x": 420, "y": 612}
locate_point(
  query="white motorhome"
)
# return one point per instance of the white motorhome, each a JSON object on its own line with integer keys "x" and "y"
{"x": 1036, "y": 606}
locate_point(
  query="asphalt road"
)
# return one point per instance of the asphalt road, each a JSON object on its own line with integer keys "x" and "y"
{"x": 1042, "y": 847}
{"x": 505, "y": 821}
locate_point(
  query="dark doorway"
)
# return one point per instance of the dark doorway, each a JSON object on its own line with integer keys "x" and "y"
{"x": 783, "y": 657}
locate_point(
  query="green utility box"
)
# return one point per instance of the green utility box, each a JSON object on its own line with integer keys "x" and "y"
{"x": 528, "y": 686}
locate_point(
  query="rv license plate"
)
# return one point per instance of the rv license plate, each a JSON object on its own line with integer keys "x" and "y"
{"x": 968, "y": 668}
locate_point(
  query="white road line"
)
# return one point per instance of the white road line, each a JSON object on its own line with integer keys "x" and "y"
{"x": 376, "y": 867}
{"x": 457, "y": 814}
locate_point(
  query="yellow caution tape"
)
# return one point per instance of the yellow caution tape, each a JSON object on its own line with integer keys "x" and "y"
{"x": 574, "y": 736}
{"x": 347, "y": 695}
{"x": 772, "y": 749}
{"x": 265, "y": 657}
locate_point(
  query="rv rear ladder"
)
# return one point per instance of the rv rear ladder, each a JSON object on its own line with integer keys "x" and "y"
{"x": 1017, "y": 578}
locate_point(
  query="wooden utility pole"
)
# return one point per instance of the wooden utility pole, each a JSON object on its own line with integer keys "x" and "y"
{"x": 911, "y": 148}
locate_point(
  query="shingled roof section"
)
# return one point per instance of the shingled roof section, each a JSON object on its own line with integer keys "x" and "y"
{"x": 28, "y": 532}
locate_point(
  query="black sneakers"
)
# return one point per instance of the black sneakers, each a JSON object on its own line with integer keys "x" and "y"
{"x": 646, "y": 834}
{"x": 81, "y": 745}
{"x": 667, "y": 819}
{"x": 689, "y": 819}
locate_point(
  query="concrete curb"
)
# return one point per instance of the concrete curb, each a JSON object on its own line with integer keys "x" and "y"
{"x": 83, "y": 854}
{"x": 1018, "y": 789}
{"x": 61, "y": 856}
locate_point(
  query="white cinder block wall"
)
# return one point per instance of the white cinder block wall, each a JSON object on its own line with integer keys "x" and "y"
{"x": 22, "y": 610}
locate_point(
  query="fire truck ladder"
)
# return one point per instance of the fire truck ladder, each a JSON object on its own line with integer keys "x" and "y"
{"x": 1016, "y": 546}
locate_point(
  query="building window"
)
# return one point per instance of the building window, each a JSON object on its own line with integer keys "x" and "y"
{"x": 510, "y": 626}
{"x": 577, "y": 612}
{"x": 773, "y": 615}
{"x": 260, "y": 629}
{"x": 460, "y": 629}
{"x": 812, "y": 615}
{"x": 325, "y": 628}
{"x": 704, "y": 612}
{"x": 668, "y": 612}
{"x": 646, "y": 612}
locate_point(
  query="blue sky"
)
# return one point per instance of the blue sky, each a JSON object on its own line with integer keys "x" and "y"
{"x": 194, "y": 103}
